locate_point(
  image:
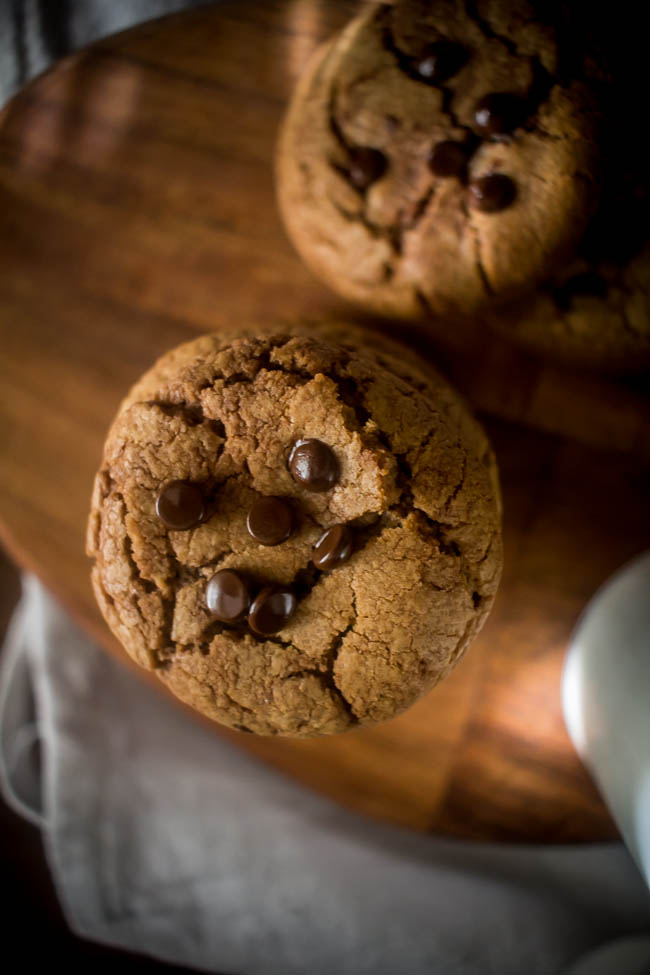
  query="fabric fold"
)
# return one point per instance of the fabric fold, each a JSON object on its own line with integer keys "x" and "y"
{"x": 164, "y": 839}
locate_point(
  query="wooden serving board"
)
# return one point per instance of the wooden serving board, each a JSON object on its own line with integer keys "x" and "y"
{"x": 136, "y": 210}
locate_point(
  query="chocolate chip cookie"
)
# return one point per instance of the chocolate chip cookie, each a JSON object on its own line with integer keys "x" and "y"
{"x": 438, "y": 158}
{"x": 299, "y": 534}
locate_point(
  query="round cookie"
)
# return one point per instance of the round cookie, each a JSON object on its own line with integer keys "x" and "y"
{"x": 437, "y": 158}
{"x": 391, "y": 563}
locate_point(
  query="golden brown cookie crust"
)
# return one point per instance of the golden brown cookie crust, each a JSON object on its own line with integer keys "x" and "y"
{"x": 418, "y": 485}
{"x": 412, "y": 243}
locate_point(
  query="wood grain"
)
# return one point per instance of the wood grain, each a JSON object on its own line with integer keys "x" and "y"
{"x": 137, "y": 209}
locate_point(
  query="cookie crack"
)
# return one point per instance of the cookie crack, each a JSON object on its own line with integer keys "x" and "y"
{"x": 352, "y": 396}
{"x": 439, "y": 530}
{"x": 261, "y": 362}
{"x": 543, "y": 81}
{"x": 424, "y": 302}
{"x": 406, "y": 505}
{"x": 331, "y": 658}
{"x": 488, "y": 31}
{"x": 403, "y": 62}
{"x": 388, "y": 233}
{"x": 399, "y": 230}
{"x": 392, "y": 233}
{"x": 191, "y": 413}
{"x": 326, "y": 679}
{"x": 143, "y": 586}
{"x": 539, "y": 91}
{"x": 374, "y": 229}
{"x": 239, "y": 707}
{"x": 467, "y": 631}
{"x": 243, "y": 379}
{"x": 106, "y": 485}
{"x": 454, "y": 494}
{"x": 235, "y": 703}
{"x": 536, "y": 128}
{"x": 147, "y": 585}
{"x": 478, "y": 252}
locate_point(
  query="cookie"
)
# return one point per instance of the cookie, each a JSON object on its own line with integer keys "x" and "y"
{"x": 440, "y": 158}
{"x": 596, "y": 312}
{"x": 300, "y": 534}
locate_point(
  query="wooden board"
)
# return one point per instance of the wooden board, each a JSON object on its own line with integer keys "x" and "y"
{"x": 136, "y": 209}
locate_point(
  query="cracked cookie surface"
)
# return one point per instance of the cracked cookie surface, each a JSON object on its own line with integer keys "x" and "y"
{"x": 417, "y": 487}
{"x": 437, "y": 158}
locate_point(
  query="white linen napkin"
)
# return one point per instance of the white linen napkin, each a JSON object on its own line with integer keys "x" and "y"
{"x": 164, "y": 839}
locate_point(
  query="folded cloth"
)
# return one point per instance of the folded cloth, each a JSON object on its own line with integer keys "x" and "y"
{"x": 164, "y": 839}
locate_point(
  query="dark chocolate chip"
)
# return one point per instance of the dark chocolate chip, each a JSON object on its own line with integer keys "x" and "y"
{"x": 448, "y": 159}
{"x": 270, "y": 521}
{"x": 180, "y": 505}
{"x": 333, "y": 548}
{"x": 498, "y": 113}
{"x": 313, "y": 465}
{"x": 366, "y": 166}
{"x": 272, "y": 609}
{"x": 228, "y": 596}
{"x": 492, "y": 193}
{"x": 439, "y": 61}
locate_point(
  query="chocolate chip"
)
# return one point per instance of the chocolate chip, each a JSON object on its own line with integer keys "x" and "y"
{"x": 492, "y": 193}
{"x": 439, "y": 61}
{"x": 272, "y": 609}
{"x": 333, "y": 548}
{"x": 228, "y": 596}
{"x": 366, "y": 166}
{"x": 448, "y": 159}
{"x": 270, "y": 521}
{"x": 498, "y": 113}
{"x": 313, "y": 465}
{"x": 180, "y": 505}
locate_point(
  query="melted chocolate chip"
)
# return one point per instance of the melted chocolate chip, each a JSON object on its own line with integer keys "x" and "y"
{"x": 180, "y": 505}
{"x": 366, "y": 167}
{"x": 498, "y": 113}
{"x": 333, "y": 548}
{"x": 272, "y": 609}
{"x": 492, "y": 193}
{"x": 439, "y": 61}
{"x": 270, "y": 521}
{"x": 228, "y": 596}
{"x": 448, "y": 159}
{"x": 313, "y": 465}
